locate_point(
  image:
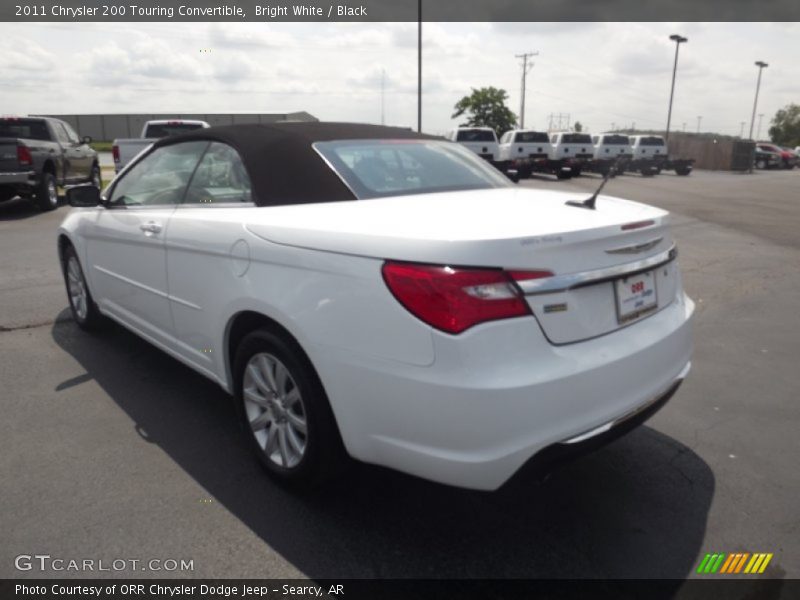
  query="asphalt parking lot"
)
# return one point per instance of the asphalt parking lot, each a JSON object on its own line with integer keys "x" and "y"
{"x": 110, "y": 449}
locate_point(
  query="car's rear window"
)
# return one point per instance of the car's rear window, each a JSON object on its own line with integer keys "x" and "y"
{"x": 31, "y": 129}
{"x": 651, "y": 141}
{"x": 168, "y": 129}
{"x": 616, "y": 140}
{"x": 576, "y": 138}
{"x": 528, "y": 137}
{"x": 475, "y": 135}
{"x": 378, "y": 168}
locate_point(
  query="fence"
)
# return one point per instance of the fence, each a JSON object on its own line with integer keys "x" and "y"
{"x": 713, "y": 154}
{"x": 109, "y": 127}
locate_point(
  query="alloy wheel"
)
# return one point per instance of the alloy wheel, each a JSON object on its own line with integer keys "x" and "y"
{"x": 275, "y": 410}
{"x": 77, "y": 288}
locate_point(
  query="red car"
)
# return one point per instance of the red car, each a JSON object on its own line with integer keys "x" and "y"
{"x": 789, "y": 159}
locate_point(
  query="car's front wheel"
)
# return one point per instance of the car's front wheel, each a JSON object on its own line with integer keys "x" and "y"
{"x": 284, "y": 410}
{"x": 95, "y": 178}
{"x": 81, "y": 304}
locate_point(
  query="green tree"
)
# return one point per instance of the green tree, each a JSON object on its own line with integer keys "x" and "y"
{"x": 578, "y": 126}
{"x": 785, "y": 129}
{"x": 486, "y": 107}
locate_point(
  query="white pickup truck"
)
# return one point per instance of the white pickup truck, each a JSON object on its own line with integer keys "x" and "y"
{"x": 571, "y": 149}
{"x": 481, "y": 140}
{"x": 651, "y": 156}
{"x": 125, "y": 150}
{"x": 528, "y": 151}
{"x": 610, "y": 149}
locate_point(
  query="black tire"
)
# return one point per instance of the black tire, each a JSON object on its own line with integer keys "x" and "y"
{"x": 564, "y": 174}
{"x": 576, "y": 172}
{"x": 95, "y": 177}
{"x": 47, "y": 192}
{"x": 324, "y": 455}
{"x": 683, "y": 171}
{"x": 87, "y": 317}
{"x": 761, "y": 164}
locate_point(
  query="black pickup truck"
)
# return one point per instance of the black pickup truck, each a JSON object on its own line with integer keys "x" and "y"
{"x": 38, "y": 154}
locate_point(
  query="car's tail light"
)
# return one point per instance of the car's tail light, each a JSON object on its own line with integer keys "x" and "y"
{"x": 455, "y": 299}
{"x": 24, "y": 157}
{"x": 115, "y": 153}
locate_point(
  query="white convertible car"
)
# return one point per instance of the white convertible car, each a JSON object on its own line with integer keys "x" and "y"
{"x": 370, "y": 292}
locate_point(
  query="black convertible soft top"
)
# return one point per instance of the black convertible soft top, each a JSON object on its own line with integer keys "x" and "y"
{"x": 282, "y": 165}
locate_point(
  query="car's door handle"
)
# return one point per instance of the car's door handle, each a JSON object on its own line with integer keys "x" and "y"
{"x": 150, "y": 227}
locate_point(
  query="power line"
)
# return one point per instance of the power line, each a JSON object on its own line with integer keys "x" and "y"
{"x": 525, "y": 70}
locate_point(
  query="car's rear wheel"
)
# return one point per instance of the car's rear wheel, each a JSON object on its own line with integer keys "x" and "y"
{"x": 81, "y": 304}
{"x": 47, "y": 193}
{"x": 284, "y": 410}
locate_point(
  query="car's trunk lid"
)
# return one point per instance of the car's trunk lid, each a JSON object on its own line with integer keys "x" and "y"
{"x": 8, "y": 155}
{"x": 513, "y": 229}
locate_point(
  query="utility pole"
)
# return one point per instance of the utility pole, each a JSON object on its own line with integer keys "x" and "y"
{"x": 699, "y": 118}
{"x": 760, "y": 64}
{"x": 741, "y": 130}
{"x": 684, "y": 127}
{"x": 525, "y": 70}
{"x": 760, "y": 116}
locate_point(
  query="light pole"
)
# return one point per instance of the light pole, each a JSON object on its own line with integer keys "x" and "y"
{"x": 699, "y": 118}
{"x": 741, "y": 129}
{"x": 678, "y": 39}
{"x": 419, "y": 67}
{"x": 760, "y": 64}
{"x": 760, "y": 116}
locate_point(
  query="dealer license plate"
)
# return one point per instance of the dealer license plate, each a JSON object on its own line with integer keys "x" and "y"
{"x": 636, "y": 296}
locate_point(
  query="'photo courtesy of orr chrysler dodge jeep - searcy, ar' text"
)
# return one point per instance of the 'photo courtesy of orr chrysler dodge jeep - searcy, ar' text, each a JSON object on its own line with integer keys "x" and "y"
{"x": 375, "y": 293}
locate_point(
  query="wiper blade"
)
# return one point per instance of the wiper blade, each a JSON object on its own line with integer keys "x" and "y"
{"x": 592, "y": 200}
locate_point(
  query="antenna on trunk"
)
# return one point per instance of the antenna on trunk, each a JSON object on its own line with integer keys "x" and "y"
{"x": 591, "y": 200}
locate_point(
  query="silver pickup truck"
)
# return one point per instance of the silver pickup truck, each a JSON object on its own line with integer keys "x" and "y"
{"x": 124, "y": 150}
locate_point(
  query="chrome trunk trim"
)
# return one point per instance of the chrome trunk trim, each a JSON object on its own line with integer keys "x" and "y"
{"x": 562, "y": 283}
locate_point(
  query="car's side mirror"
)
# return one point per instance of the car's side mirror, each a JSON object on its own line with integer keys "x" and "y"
{"x": 87, "y": 139}
{"x": 83, "y": 196}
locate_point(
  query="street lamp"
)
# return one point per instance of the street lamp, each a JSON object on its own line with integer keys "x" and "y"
{"x": 760, "y": 64}
{"x": 678, "y": 41}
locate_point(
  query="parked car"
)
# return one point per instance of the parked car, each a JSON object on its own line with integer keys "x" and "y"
{"x": 480, "y": 140}
{"x": 376, "y": 293}
{"x": 573, "y": 150}
{"x": 124, "y": 150}
{"x": 38, "y": 154}
{"x": 767, "y": 156}
{"x": 788, "y": 159}
{"x": 528, "y": 151}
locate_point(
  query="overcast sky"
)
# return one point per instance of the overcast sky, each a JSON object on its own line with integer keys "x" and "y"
{"x": 599, "y": 73}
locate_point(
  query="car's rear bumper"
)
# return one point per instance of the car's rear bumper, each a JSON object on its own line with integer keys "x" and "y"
{"x": 500, "y": 394}
{"x": 18, "y": 178}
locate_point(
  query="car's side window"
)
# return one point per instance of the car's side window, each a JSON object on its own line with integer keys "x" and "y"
{"x": 160, "y": 178}
{"x": 71, "y": 135}
{"x": 60, "y": 132}
{"x": 220, "y": 178}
